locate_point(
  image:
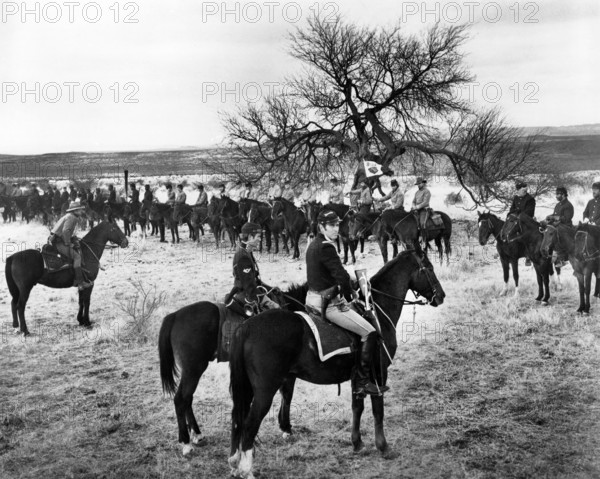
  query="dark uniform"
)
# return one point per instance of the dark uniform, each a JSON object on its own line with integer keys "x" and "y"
{"x": 324, "y": 270}
{"x": 135, "y": 195}
{"x": 112, "y": 194}
{"x": 563, "y": 212}
{"x": 592, "y": 211}
{"x": 247, "y": 277}
{"x": 523, "y": 204}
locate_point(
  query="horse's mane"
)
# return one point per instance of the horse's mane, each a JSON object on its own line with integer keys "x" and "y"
{"x": 390, "y": 265}
{"x": 591, "y": 229}
{"x": 528, "y": 221}
{"x": 298, "y": 292}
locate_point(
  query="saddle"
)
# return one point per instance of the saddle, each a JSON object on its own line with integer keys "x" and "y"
{"x": 229, "y": 322}
{"x": 53, "y": 260}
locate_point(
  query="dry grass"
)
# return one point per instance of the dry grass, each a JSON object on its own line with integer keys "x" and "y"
{"x": 482, "y": 387}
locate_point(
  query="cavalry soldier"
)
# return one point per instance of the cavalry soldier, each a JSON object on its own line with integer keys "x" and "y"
{"x": 17, "y": 190}
{"x": 274, "y": 190}
{"x": 202, "y": 196}
{"x": 221, "y": 192}
{"x": 246, "y": 194}
{"x": 287, "y": 193}
{"x": 366, "y": 200}
{"x": 591, "y": 214}
{"x": 63, "y": 237}
{"x": 90, "y": 196}
{"x": 396, "y": 196}
{"x": 246, "y": 274}
{"x": 522, "y": 202}
{"x": 563, "y": 213}
{"x": 324, "y": 271}
{"x": 307, "y": 195}
{"x": 170, "y": 194}
{"x": 135, "y": 194}
{"x": 180, "y": 197}
{"x": 336, "y": 193}
{"x": 72, "y": 193}
{"x": 420, "y": 203}
{"x": 112, "y": 194}
{"x": 56, "y": 200}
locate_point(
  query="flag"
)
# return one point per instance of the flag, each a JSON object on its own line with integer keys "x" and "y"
{"x": 372, "y": 168}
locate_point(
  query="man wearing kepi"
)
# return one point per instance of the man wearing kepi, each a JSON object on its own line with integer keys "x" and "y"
{"x": 563, "y": 213}
{"x": 63, "y": 237}
{"x": 324, "y": 271}
{"x": 591, "y": 214}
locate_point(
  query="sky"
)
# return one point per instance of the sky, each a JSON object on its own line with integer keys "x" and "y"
{"x": 117, "y": 76}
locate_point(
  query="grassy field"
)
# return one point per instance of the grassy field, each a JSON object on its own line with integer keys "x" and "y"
{"x": 482, "y": 387}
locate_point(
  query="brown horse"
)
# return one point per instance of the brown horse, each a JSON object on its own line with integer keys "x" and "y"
{"x": 25, "y": 269}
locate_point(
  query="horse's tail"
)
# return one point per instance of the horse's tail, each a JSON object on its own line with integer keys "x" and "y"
{"x": 168, "y": 368}
{"x": 10, "y": 281}
{"x": 240, "y": 386}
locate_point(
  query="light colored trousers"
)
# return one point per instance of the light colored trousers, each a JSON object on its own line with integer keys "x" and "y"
{"x": 340, "y": 313}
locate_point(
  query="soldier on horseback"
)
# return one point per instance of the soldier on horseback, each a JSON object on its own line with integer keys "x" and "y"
{"x": 336, "y": 193}
{"x": 326, "y": 276}
{"x": 591, "y": 214}
{"x": 274, "y": 191}
{"x": 420, "y": 204}
{"x": 246, "y": 288}
{"x": 202, "y": 196}
{"x": 135, "y": 194}
{"x": 522, "y": 202}
{"x": 180, "y": 197}
{"x": 287, "y": 193}
{"x": 563, "y": 214}
{"x": 395, "y": 196}
{"x": 64, "y": 239}
{"x": 366, "y": 200}
{"x": 247, "y": 192}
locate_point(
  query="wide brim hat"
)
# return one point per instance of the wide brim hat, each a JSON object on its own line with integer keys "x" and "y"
{"x": 75, "y": 206}
{"x": 420, "y": 180}
{"x": 520, "y": 184}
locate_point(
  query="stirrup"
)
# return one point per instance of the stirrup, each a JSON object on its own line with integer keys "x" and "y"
{"x": 370, "y": 389}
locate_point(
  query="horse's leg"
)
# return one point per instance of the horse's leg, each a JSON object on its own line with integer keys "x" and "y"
{"x": 540, "y": 282}
{"x": 85, "y": 296}
{"x": 383, "y": 248}
{"x": 287, "y": 391}
{"x": 505, "y": 271}
{"x": 514, "y": 263}
{"x": 546, "y": 272}
{"x": 358, "y": 406}
{"x": 345, "y": 244}
{"x": 597, "y": 289}
{"x": 580, "y": 283}
{"x": 21, "y": 303}
{"x": 297, "y": 245}
{"x": 588, "y": 287}
{"x": 81, "y": 308}
{"x": 362, "y": 245}
{"x": 186, "y": 421}
{"x": 394, "y": 249}
{"x": 438, "y": 245}
{"x": 377, "y": 406}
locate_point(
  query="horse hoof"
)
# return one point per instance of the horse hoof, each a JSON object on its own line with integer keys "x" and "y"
{"x": 187, "y": 450}
{"x": 198, "y": 439}
{"x": 286, "y": 435}
{"x": 234, "y": 462}
{"x": 358, "y": 446}
{"x": 545, "y": 303}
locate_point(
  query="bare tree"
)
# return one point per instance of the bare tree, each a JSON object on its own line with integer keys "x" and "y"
{"x": 377, "y": 93}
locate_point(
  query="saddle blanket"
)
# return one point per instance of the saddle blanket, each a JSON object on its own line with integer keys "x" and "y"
{"x": 229, "y": 322}
{"x": 331, "y": 339}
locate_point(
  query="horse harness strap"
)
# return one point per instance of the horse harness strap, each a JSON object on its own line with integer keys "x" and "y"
{"x": 93, "y": 254}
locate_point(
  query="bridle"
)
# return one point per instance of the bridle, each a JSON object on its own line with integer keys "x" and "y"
{"x": 507, "y": 234}
{"x": 362, "y": 231}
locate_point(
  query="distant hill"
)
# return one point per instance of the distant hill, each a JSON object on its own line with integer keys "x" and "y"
{"x": 572, "y": 130}
{"x": 568, "y": 148}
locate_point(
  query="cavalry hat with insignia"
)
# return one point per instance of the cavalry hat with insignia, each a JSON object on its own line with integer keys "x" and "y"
{"x": 75, "y": 206}
{"x": 520, "y": 184}
{"x": 251, "y": 229}
{"x": 420, "y": 180}
{"x": 596, "y": 185}
{"x": 328, "y": 217}
{"x": 562, "y": 190}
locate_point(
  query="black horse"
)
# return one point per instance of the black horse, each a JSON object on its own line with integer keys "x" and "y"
{"x": 274, "y": 227}
{"x": 189, "y": 338}
{"x": 25, "y": 269}
{"x": 563, "y": 236}
{"x": 229, "y": 210}
{"x": 274, "y": 348}
{"x": 361, "y": 225}
{"x": 295, "y": 222}
{"x": 525, "y": 232}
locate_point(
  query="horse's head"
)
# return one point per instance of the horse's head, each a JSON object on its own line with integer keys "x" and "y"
{"x": 356, "y": 226}
{"x": 252, "y": 214}
{"x": 277, "y": 209}
{"x": 423, "y": 280}
{"x": 549, "y": 239}
{"x": 114, "y": 234}
{"x": 485, "y": 227}
{"x": 244, "y": 208}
